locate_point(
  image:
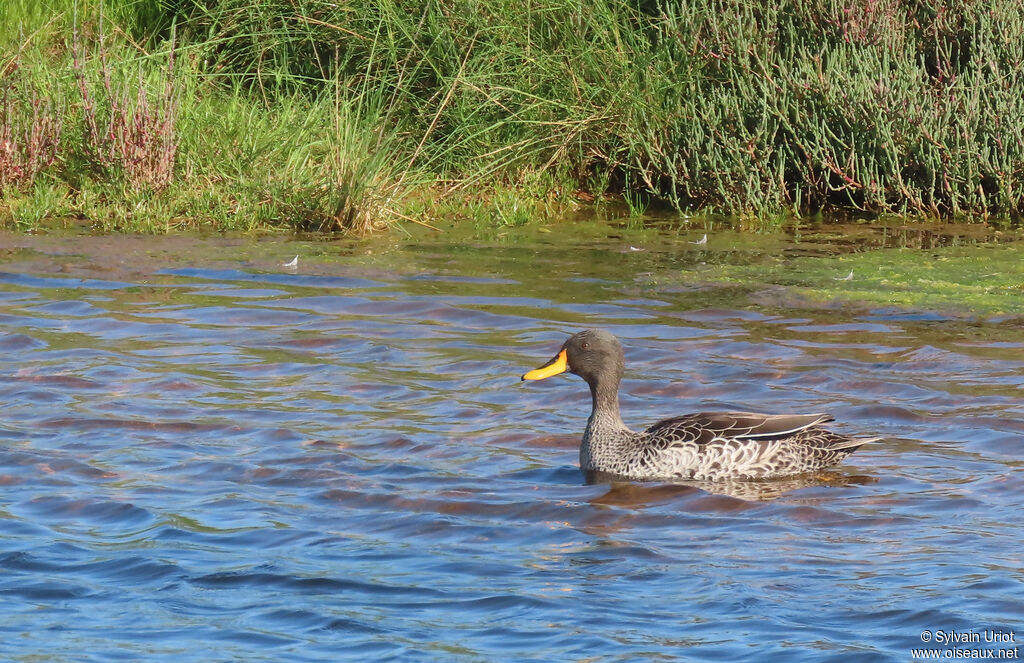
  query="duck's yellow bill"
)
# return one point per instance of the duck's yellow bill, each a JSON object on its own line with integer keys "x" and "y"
{"x": 553, "y": 367}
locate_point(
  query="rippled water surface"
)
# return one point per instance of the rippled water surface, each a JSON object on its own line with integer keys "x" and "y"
{"x": 208, "y": 456}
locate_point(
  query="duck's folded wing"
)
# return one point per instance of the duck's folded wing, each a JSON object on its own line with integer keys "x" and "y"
{"x": 704, "y": 427}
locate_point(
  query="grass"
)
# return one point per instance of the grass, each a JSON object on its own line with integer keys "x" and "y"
{"x": 229, "y": 114}
{"x": 128, "y": 139}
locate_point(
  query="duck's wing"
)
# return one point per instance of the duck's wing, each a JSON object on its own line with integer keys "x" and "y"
{"x": 704, "y": 427}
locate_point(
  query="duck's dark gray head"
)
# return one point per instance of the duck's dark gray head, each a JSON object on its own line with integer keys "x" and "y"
{"x": 593, "y": 354}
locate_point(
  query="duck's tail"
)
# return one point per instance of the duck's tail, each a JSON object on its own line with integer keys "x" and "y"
{"x": 853, "y": 443}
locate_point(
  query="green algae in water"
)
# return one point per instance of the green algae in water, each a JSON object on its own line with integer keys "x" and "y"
{"x": 968, "y": 280}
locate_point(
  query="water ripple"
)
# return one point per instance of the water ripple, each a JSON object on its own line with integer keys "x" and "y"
{"x": 210, "y": 462}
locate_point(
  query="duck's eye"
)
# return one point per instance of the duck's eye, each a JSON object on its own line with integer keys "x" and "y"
{"x": 585, "y": 346}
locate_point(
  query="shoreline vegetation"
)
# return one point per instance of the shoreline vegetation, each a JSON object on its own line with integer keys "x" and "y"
{"x": 152, "y": 115}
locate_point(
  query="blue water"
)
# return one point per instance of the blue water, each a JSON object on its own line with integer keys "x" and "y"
{"x": 206, "y": 458}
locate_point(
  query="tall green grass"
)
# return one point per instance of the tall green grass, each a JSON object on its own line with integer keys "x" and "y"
{"x": 334, "y": 115}
{"x": 111, "y": 123}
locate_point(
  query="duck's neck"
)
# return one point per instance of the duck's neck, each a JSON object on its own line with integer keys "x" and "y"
{"x": 604, "y": 414}
{"x": 602, "y": 448}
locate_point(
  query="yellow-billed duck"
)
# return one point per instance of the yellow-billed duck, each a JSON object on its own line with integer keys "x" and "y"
{"x": 707, "y": 446}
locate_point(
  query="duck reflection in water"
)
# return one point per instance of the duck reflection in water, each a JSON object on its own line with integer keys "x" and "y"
{"x": 631, "y": 494}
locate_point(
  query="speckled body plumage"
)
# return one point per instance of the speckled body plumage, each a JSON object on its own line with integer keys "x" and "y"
{"x": 707, "y": 446}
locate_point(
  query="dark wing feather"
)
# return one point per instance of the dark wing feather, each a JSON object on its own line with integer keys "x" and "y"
{"x": 706, "y": 426}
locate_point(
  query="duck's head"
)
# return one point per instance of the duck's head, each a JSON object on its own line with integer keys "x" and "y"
{"x": 593, "y": 354}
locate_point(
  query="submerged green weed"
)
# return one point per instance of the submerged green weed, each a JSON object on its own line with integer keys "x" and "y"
{"x": 977, "y": 280}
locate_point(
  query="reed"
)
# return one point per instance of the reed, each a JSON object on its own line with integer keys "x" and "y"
{"x": 30, "y": 133}
{"x": 129, "y": 131}
{"x": 349, "y": 116}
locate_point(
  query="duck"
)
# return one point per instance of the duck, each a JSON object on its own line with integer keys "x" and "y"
{"x": 705, "y": 446}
